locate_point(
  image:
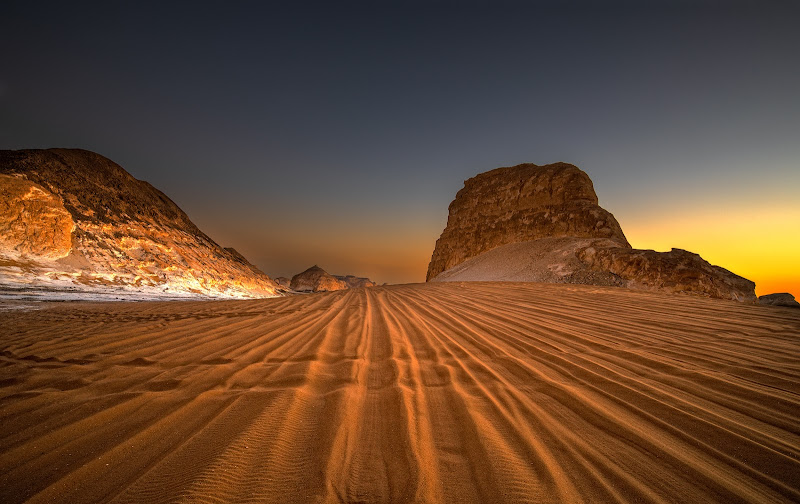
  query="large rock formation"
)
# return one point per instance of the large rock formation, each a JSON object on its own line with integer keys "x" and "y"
{"x": 517, "y": 204}
{"x": 543, "y": 224}
{"x": 316, "y": 279}
{"x": 74, "y": 220}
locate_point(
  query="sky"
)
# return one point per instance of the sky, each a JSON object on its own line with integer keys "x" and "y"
{"x": 337, "y": 133}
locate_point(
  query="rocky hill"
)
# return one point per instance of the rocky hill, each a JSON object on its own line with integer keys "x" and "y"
{"x": 521, "y": 203}
{"x": 543, "y": 224}
{"x": 74, "y": 220}
{"x": 316, "y": 279}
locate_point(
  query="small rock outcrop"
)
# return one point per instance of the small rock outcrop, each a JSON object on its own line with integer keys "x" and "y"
{"x": 283, "y": 282}
{"x": 677, "y": 271}
{"x": 74, "y": 220}
{"x": 543, "y": 224}
{"x": 778, "y": 299}
{"x": 354, "y": 282}
{"x": 316, "y": 279}
{"x": 517, "y": 204}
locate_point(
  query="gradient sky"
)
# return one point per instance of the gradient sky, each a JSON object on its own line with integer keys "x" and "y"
{"x": 338, "y": 133}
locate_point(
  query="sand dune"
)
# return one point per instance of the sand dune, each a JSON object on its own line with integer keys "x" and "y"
{"x": 478, "y": 392}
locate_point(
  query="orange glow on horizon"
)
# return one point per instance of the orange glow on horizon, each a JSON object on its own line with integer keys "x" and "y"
{"x": 762, "y": 244}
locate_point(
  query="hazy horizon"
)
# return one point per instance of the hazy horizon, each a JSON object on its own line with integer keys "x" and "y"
{"x": 338, "y": 135}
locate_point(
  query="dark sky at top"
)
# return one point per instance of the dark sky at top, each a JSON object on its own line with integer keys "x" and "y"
{"x": 338, "y": 133}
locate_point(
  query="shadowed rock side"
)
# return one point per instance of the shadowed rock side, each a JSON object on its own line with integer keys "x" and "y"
{"x": 676, "y": 271}
{"x": 576, "y": 241}
{"x": 429, "y": 393}
{"x": 778, "y": 299}
{"x": 283, "y": 282}
{"x": 316, "y": 279}
{"x": 521, "y": 203}
{"x": 73, "y": 220}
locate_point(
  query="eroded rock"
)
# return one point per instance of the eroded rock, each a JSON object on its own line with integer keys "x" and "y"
{"x": 75, "y": 219}
{"x": 543, "y": 224}
{"x": 521, "y": 203}
{"x": 316, "y": 279}
{"x": 778, "y": 299}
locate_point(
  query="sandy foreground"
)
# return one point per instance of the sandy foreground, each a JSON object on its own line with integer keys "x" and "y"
{"x": 475, "y": 392}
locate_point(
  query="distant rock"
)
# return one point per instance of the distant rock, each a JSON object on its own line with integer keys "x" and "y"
{"x": 778, "y": 299}
{"x": 75, "y": 221}
{"x": 543, "y": 224}
{"x": 354, "y": 282}
{"x": 316, "y": 279}
{"x": 521, "y": 203}
{"x": 283, "y": 282}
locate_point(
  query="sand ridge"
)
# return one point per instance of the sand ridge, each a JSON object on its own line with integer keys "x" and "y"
{"x": 459, "y": 392}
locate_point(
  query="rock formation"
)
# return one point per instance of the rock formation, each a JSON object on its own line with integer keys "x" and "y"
{"x": 521, "y": 203}
{"x": 543, "y": 224}
{"x": 283, "y": 282}
{"x": 316, "y": 279}
{"x": 778, "y": 299}
{"x": 74, "y": 220}
{"x": 354, "y": 282}
{"x": 675, "y": 271}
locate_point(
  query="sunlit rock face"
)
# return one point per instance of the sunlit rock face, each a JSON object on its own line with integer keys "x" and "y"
{"x": 76, "y": 220}
{"x": 33, "y": 221}
{"x": 543, "y": 224}
{"x": 316, "y": 279}
{"x": 521, "y": 203}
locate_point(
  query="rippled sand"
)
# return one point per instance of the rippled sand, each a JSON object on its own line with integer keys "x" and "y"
{"x": 480, "y": 392}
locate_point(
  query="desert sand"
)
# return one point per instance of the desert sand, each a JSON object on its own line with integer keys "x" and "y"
{"x": 450, "y": 392}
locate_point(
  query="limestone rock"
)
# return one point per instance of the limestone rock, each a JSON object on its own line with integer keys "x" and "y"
{"x": 316, "y": 279}
{"x": 354, "y": 282}
{"x": 283, "y": 282}
{"x": 778, "y": 299}
{"x": 543, "y": 224}
{"x": 675, "y": 271}
{"x": 72, "y": 219}
{"x": 33, "y": 221}
{"x": 521, "y": 203}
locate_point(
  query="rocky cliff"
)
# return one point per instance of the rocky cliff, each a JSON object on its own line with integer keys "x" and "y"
{"x": 517, "y": 204}
{"x": 543, "y": 224}
{"x": 72, "y": 219}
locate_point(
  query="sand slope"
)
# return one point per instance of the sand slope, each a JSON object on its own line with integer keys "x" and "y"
{"x": 478, "y": 392}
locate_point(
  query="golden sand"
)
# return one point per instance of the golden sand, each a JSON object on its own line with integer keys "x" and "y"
{"x": 476, "y": 392}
